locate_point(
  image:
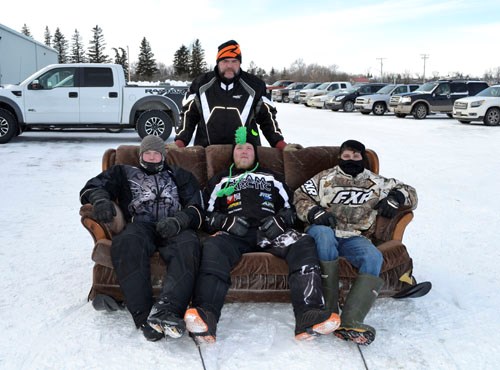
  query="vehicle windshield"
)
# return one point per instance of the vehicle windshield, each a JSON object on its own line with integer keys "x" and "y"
{"x": 427, "y": 87}
{"x": 323, "y": 86}
{"x": 312, "y": 85}
{"x": 336, "y": 92}
{"x": 351, "y": 89}
{"x": 386, "y": 89}
{"x": 490, "y": 91}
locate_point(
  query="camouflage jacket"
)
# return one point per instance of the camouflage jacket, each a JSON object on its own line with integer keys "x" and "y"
{"x": 351, "y": 200}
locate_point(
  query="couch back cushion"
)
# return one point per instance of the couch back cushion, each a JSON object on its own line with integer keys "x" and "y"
{"x": 219, "y": 158}
{"x": 302, "y": 164}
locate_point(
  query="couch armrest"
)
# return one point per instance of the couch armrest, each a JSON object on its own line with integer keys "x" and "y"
{"x": 392, "y": 228}
{"x": 100, "y": 230}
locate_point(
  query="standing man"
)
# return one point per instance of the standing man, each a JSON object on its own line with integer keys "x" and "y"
{"x": 341, "y": 204}
{"x": 162, "y": 207}
{"x": 219, "y": 102}
{"x": 249, "y": 210}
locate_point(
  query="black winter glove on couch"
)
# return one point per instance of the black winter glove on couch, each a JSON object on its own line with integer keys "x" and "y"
{"x": 388, "y": 207}
{"x": 168, "y": 227}
{"x": 104, "y": 209}
{"x": 232, "y": 224}
{"x": 320, "y": 216}
{"x": 274, "y": 226}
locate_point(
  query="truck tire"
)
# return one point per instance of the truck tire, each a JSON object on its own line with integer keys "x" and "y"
{"x": 379, "y": 108}
{"x": 492, "y": 117}
{"x": 154, "y": 122}
{"x": 420, "y": 111}
{"x": 8, "y": 126}
{"x": 348, "y": 106}
{"x": 286, "y": 99}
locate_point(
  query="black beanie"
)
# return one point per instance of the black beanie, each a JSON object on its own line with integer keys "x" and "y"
{"x": 251, "y": 138}
{"x": 229, "y": 49}
{"x": 353, "y": 145}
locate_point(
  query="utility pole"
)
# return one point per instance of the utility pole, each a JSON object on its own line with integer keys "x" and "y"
{"x": 381, "y": 68}
{"x": 424, "y": 57}
{"x": 128, "y": 61}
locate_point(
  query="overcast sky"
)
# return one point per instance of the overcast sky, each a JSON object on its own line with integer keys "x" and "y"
{"x": 356, "y": 36}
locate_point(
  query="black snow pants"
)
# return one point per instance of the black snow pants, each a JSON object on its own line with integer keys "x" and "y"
{"x": 220, "y": 253}
{"x": 130, "y": 254}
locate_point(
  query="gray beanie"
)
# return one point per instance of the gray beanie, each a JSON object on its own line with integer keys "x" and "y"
{"x": 152, "y": 142}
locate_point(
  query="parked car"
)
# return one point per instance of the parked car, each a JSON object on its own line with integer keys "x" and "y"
{"x": 280, "y": 84}
{"x": 322, "y": 89}
{"x": 294, "y": 95}
{"x": 281, "y": 95}
{"x": 435, "y": 96}
{"x": 319, "y": 101}
{"x": 378, "y": 103}
{"x": 485, "y": 106}
{"x": 345, "y": 100}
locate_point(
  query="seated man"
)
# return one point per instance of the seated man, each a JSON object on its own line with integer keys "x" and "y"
{"x": 249, "y": 210}
{"x": 162, "y": 207}
{"x": 341, "y": 206}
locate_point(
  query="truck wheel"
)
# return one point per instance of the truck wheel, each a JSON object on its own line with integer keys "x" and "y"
{"x": 348, "y": 106}
{"x": 492, "y": 117}
{"x": 8, "y": 126}
{"x": 154, "y": 122}
{"x": 420, "y": 111}
{"x": 379, "y": 109}
{"x": 286, "y": 99}
{"x": 400, "y": 115}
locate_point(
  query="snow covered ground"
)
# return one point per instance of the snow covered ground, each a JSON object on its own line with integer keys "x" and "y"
{"x": 47, "y": 323}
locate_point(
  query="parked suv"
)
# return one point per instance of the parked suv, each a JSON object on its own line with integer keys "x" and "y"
{"x": 280, "y": 84}
{"x": 281, "y": 95}
{"x": 378, "y": 103}
{"x": 436, "y": 96}
{"x": 294, "y": 95}
{"x": 345, "y": 100}
{"x": 322, "y": 89}
{"x": 485, "y": 106}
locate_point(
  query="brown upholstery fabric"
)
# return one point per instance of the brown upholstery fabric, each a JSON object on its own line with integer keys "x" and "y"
{"x": 259, "y": 277}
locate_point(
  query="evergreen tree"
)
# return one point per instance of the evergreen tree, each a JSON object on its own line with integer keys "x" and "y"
{"x": 26, "y": 31}
{"x": 61, "y": 45}
{"x": 96, "y": 47}
{"x": 181, "y": 62}
{"x": 121, "y": 57}
{"x": 197, "y": 64}
{"x": 77, "y": 50}
{"x": 146, "y": 67}
{"x": 47, "y": 36}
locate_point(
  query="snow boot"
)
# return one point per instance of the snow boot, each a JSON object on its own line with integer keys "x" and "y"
{"x": 201, "y": 324}
{"x": 315, "y": 322}
{"x": 358, "y": 303}
{"x": 330, "y": 282}
{"x": 163, "y": 320}
{"x": 103, "y": 302}
{"x": 149, "y": 333}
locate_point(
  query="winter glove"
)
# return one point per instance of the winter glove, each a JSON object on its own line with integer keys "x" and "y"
{"x": 272, "y": 226}
{"x": 388, "y": 207}
{"x": 232, "y": 224}
{"x": 168, "y": 227}
{"x": 320, "y": 216}
{"x": 104, "y": 209}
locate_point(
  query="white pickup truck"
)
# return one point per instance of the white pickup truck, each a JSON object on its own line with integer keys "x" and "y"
{"x": 87, "y": 95}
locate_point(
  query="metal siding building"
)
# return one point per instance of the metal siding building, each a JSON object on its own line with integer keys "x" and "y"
{"x": 21, "y": 56}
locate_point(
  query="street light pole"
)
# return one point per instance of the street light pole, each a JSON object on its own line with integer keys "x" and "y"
{"x": 128, "y": 62}
{"x": 424, "y": 57}
{"x": 381, "y": 68}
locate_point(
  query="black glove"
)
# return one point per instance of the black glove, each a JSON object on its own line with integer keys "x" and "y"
{"x": 288, "y": 215}
{"x": 388, "y": 207}
{"x": 168, "y": 227}
{"x": 320, "y": 216}
{"x": 232, "y": 224}
{"x": 104, "y": 209}
{"x": 273, "y": 226}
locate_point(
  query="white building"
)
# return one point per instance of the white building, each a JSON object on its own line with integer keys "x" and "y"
{"x": 20, "y": 56}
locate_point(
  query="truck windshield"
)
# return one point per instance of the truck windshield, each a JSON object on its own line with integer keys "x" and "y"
{"x": 386, "y": 89}
{"x": 490, "y": 91}
{"x": 427, "y": 87}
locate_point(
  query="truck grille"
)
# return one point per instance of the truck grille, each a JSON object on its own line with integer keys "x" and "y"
{"x": 360, "y": 100}
{"x": 460, "y": 105}
{"x": 394, "y": 100}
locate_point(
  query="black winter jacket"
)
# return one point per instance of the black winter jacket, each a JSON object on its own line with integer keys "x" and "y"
{"x": 149, "y": 197}
{"x": 219, "y": 109}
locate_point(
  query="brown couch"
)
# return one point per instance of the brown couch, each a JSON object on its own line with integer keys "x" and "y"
{"x": 261, "y": 276}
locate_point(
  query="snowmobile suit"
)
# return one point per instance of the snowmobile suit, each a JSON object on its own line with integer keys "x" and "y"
{"x": 257, "y": 195}
{"x": 351, "y": 200}
{"x": 218, "y": 109}
{"x": 144, "y": 199}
